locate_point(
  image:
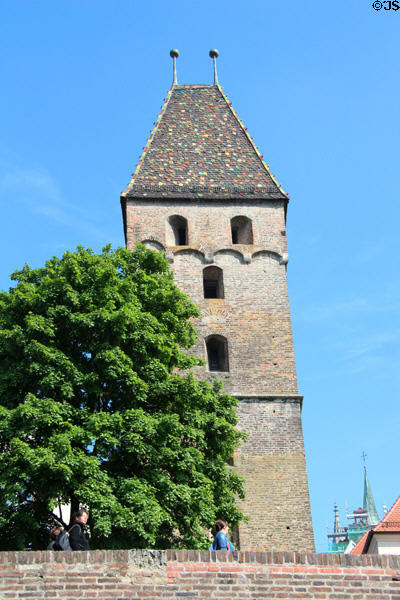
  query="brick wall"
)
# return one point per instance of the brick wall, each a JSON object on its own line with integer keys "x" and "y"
{"x": 208, "y": 221}
{"x": 254, "y": 317}
{"x": 155, "y": 575}
{"x": 274, "y": 467}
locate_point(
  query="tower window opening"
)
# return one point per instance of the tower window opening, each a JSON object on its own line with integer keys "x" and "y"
{"x": 210, "y": 289}
{"x": 213, "y": 283}
{"x": 217, "y": 353}
{"x": 177, "y": 231}
{"x": 242, "y": 230}
{"x": 181, "y": 236}
{"x": 213, "y": 359}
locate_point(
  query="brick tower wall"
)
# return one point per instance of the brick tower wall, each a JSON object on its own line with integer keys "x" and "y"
{"x": 254, "y": 317}
{"x": 273, "y": 465}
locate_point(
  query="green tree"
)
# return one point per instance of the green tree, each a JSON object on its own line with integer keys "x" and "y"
{"x": 94, "y": 407}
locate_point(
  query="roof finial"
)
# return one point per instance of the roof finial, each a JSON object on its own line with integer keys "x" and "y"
{"x": 364, "y": 456}
{"x": 214, "y": 54}
{"x": 174, "y": 55}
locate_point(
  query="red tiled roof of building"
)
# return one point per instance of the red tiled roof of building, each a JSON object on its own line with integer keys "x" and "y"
{"x": 200, "y": 148}
{"x": 391, "y": 521}
{"x": 359, "y": 547}
{"x": 389, "y": 524}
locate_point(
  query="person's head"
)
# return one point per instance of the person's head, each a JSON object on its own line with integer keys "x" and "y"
{"x": 221, "y": 525}
{"x": 55, "y": 532}
{"x": 80, "y": 516}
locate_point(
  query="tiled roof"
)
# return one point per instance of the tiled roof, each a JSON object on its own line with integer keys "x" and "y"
{"x": 389, "y": 524}
{"x": 391, "y": 521}
{"x": 200, "y": 148}
{"x": 359, "y": 547}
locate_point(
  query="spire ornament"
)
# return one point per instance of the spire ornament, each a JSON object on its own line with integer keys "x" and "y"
{"x": 214, "y": 54}
{"x": 364, "y": 456}
{"x": 174, "y": 55}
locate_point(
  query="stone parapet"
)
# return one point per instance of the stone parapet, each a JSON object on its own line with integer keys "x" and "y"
{"x": 192, "y": 574}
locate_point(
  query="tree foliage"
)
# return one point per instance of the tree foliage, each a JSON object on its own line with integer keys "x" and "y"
{"x": 94, "y": 407}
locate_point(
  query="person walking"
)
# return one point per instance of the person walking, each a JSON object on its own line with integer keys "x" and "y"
{"x": 221, "y": 540}
{"x": 77, "y": 537}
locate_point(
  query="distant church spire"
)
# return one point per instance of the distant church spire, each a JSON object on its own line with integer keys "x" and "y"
{"x": 214, "y": 54}
{"x": 369, "y": 502}
{"x": 174, "y": 55}
{"x": 337, "y": 528}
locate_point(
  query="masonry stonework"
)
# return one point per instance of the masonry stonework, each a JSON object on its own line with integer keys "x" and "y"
{"x": 254, "y": 314}
{"x": 194, "y": 575}
{"x": 200, "y": 147}
{"x": 274, "y": 468}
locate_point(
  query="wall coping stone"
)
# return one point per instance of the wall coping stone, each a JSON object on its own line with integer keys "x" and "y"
{"x": 156, "y": 558}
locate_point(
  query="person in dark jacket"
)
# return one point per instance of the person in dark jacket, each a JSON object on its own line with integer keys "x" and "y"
{"x": 221, "y": 540}
{"x": 77, "y": 538}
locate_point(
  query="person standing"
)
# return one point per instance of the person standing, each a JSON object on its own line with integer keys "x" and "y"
{"x": 77, "y": 537}
{"x": 221, "y": 540}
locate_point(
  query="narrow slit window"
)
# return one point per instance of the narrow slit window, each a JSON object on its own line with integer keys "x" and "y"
{"x": 210, "y": 289}
{"x": 217, "y": 353}
{"x": 213, "y": 283}
{"x": 181, "y": 236}
{"x": 214, "y": 359}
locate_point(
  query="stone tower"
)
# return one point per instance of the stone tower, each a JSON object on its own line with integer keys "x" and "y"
{"x": 203, "y": 194}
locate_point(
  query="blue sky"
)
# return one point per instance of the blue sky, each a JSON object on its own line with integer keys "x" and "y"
{"x": 317, "y": 85}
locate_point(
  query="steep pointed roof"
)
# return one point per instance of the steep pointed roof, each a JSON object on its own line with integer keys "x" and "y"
{"x": 199, "y": 148}
{"x": 369, "y": 502}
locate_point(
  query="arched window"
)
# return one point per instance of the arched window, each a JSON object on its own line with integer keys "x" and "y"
{"x": 177, "y": 231}
{"x": 242, "y": 230}
{"x": 217, "y": 353}
{"x": 213, "y": 282}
